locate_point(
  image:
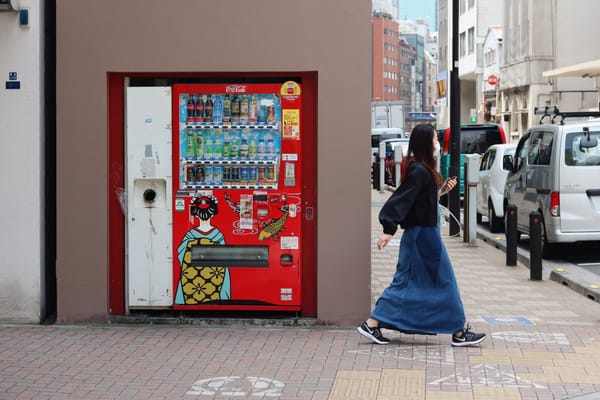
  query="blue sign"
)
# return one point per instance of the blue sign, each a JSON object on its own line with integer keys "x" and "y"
{"x": 13, "y": 85}
{"x": 422, "y": 116}
{"x": 518, "y": 321}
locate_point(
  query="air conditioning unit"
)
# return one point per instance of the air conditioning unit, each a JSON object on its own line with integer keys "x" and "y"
{"x": 9, "y": 5}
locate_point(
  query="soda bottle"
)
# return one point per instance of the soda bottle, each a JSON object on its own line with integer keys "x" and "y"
{"x": 227, "y": 108}
{"x": 183, "y": 108}
{"x": 235, "y": 109}
{"x": 244, "y": 109}
{"x": 199, "y": 110}
{"x": 191, "y": 106}
{"x": 253, "y": 110}
{"x": 208, "y": 109}
{"x": 218, "y": 110}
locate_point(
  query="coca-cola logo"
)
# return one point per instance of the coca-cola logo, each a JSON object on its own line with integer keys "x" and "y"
{"x": 235, "y": 89}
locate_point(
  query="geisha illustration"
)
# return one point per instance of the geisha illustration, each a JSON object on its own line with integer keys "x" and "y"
{"x": 201, "y": 284}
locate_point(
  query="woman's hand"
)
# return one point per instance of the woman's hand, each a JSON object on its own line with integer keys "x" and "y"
{"x": 383, "y": 240}
{"x": 448, "y": 185}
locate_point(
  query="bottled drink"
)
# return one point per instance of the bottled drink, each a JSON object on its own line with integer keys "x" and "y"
{"x": 190, "y": 144}
{"x": 191, "y": 107}
{"x": 218, "y": 111}
{"x": 217, "y": 175}
{"x": 208, "y": 148}
{"x": 183, "y": 108}
{"x": 244, "y": 109}
{"x": 218, "y": 148}
{"x": 227, "y": 108}
{"x": 253, "y": 110}
{"x": 235, "y": 148}
{"x": 235, "y": 109}
{"x": 270, "y": 149}
{"x": 199, "y": 110}
{"x": 199, "y": 146}
{"x": 271, "y": 114}
{"x": 252, "y": 148}
{"x": 226, "y": 148}
{"x": 244, "y": 149}
{"x": 261, "y": 149}
{"x": 208, "y": 109}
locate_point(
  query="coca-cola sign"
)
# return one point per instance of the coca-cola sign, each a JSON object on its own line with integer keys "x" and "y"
{"x": 236, "y": 89}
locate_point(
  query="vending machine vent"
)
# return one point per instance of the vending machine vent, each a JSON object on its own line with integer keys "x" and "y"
{"x": 230, "y": 256}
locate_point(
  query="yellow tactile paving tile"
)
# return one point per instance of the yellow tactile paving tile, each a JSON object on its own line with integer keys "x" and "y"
{"x": 402, "y": 384}
{"x": 541, "y": 378}
{"x": 355, "y": 385}
{"x": 495, "y": 393}
{"x": 448, "y": 396}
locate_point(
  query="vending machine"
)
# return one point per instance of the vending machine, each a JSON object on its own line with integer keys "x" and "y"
{"x": 237, "y": 196}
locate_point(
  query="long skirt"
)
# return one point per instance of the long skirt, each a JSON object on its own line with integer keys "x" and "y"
{"x": 423, "y": 297}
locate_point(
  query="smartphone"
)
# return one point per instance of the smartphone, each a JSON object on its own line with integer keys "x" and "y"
{"x": 445, "y": 187}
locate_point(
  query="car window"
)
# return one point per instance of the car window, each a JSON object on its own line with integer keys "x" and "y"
{"x": 484, "y": 160}
{"x": 478, "y": 140}
{"x": 576, "y": 154}
{"x": 507, "y": 160}
{"x": 521, "y": 152}
{"x": 491, "y": 159}
{"x": 540, "y": 148}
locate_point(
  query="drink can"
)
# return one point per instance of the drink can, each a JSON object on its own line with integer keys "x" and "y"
{"x": 235, "y": 175}
{"x": 218, "y": 175}
{"x": 271, "y": 173}
{"x": 227, "y": 174}
{"x": 271, "y": 114}
{"x": 208, "y": 175}
{"x": 244, "y": 175}
{"x": 261, "y": 174}
{"x": 252, "y": 175}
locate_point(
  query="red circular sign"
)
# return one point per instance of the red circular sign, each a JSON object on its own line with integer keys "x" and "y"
{"x": 492, "y": 80}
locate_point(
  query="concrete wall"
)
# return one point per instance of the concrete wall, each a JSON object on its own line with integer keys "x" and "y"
{"x": 21, "y": 160}
{"x": 331, "y": 38}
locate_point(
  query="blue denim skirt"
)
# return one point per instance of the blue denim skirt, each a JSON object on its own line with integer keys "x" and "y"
{"x": 423, "y": 297}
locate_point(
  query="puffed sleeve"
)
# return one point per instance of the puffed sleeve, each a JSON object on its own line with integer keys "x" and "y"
{"x": 396, "y": 208}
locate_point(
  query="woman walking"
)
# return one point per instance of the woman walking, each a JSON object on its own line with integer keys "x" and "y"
{"x": 423, "y": 297}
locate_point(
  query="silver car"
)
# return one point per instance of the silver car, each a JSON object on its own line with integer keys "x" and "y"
{"x": 556, "y": 171}
{"x": 495, "y": 164}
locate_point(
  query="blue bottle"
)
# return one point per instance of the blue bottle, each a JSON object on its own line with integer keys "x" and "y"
{"x": 218, "y": 111}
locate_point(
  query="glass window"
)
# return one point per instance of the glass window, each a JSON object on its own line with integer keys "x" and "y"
{"x": 521, "y": 152}
{"x": 580, "y": 153}
{"x": 540, "y": 148}
{"x": 471, "y": 40}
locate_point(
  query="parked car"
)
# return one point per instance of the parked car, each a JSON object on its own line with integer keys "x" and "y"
{"x": 474, "y": 138}
{"x": 380, "y": 134}
{"x": 495, "y": 164}
{"x": 391, "y": 146}
{"x": 556, "y": 171}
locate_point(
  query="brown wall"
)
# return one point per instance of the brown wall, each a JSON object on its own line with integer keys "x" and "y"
{"x": 330, "y": 37}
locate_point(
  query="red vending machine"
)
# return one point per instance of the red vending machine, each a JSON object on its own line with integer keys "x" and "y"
{"x": 237, "y": 196}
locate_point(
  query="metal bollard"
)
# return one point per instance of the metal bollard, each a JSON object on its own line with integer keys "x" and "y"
{"x": 535, "y": 246}
{"x": 511, "y": 235}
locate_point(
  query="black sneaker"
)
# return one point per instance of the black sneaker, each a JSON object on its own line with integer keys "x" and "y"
{"x": 468, "y": 338}
{"x": 372, "y": 333}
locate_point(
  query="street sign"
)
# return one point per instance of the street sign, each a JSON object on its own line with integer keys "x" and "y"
{"x": 492, "y": 80}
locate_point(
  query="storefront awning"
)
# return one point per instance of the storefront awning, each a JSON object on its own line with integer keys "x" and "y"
{"x": 589, "y": 69}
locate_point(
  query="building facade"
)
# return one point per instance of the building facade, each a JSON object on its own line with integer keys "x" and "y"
{"x": 386, "y": 54}
{"x": 138, "y": 44}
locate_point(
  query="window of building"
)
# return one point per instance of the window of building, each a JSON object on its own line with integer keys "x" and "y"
{"x": 471, "y": 4}
{"x": 471, "y": 40}
{"x": 461, "y": 45}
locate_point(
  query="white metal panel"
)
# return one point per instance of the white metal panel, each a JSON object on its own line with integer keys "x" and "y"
{"x": 149, "y": 245}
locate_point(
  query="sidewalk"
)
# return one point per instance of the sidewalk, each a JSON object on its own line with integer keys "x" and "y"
{"x": 544, "y": 343}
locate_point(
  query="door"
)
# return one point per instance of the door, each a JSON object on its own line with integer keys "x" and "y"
{"x": 148, "y": 197}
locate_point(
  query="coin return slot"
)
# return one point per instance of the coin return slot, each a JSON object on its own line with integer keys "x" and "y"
{"x": 230, "y": 256}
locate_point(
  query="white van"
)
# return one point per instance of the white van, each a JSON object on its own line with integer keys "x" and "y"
{"x": 381, "y": 134}
{"x": 556, "y": 171}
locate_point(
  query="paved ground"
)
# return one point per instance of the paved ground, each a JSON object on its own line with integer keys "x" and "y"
{"x": 544, "y": 343}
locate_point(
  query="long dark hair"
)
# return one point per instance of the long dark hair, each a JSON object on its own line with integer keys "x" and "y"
{"x": 420, "y": 148}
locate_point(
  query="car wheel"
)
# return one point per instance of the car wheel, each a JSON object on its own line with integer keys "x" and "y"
{"x": 549, "y": 250}
{"x": 496, "y": 223}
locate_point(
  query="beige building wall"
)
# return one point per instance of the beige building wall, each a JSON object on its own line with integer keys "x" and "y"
{"x": 331, "y": 38}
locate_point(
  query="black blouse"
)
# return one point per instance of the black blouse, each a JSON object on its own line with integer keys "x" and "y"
{"x": 415, "y": 201}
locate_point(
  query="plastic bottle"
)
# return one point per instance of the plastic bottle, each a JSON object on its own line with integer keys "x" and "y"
{"x": 199, "y": 110}
{"x": 244, "y": 109}
{"x": 253, "y": 110}
{"x": 218, "y": 111}
{"x": 199, "y": 146}
{"x": 191, "y": 107}
{"x": 252, "y": 148}
{"x": 235, "y": 109}
{"x": 183, "y": 108}
{"x": 244, "y": 149}
{"x": 227, "y": 108}
{"x": 235, "y": 147}
{"x": 261, "y": 149}
{"x": 208, "y": 109}
{"x": 270, "y": 149}
{"x": 208, "y": 148}
{"x": 190, "y": 144}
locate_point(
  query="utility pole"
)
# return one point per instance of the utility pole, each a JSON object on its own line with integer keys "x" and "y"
{"x": 454, "y": 170}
